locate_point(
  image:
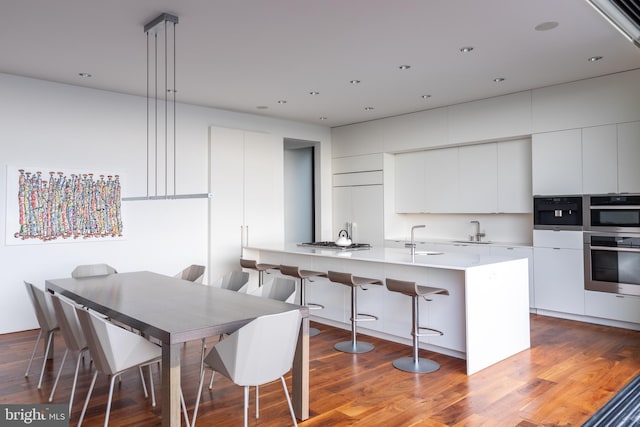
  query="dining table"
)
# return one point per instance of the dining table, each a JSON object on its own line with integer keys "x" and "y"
{"x": 175, "y": 311}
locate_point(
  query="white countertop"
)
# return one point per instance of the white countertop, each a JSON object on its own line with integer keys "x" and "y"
{"x": 450, "y": 261}
{"x": 488, "y": 242}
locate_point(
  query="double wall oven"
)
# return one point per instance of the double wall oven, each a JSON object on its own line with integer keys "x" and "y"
{"x": 612, "y": 243}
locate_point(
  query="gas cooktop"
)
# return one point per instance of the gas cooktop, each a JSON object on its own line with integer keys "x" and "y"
{"x": 332, "y": 245}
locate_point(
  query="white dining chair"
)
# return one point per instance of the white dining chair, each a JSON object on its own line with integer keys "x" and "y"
{"x": 235, "y": 281}
{"x": 115, "y": 350}
{"x": 47, "y": 321}
{"x": 273, "y": 339}
{"x": 73, "y": 337}
{"x": 193, "y": 273}
{"x": 90, "y": 270}
{"x": 280, "y": 288}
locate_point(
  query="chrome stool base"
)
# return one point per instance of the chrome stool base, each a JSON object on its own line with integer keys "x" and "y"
{"x": 313, "y": 332}
{"x": 419, "y": 366}
{"x": 351, "y": 347}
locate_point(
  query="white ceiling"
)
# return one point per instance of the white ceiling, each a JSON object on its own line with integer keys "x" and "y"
{"x": 240, "y": 54}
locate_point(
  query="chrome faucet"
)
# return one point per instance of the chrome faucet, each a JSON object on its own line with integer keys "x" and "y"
{"x": 478, "y": 235}
{"x": 412, "y": 245}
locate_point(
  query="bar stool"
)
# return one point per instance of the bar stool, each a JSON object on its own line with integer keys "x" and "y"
{"x": 354, "y": 282}
{"x": 416, "y": 364}
{"x": 261, "y": 268}
{"x": 294, "y": 271}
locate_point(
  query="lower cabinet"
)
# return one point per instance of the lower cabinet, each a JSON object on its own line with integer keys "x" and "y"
{"x": 559, "y": 279}
{"x": 625, "y": 308}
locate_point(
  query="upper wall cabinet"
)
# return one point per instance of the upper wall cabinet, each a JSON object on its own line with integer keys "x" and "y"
{"x": 482, "y": 178}
{"x": 514, "y": 176}
{"x": 593, "y": 160}
{"x": 556, "y": 162}
{"x": 610, "y": 156}
{"x": 478, "y": 172}
{"x": 628, "y": 156}
{"x": 599, "y": 160}
{"x": 410, "y": 182}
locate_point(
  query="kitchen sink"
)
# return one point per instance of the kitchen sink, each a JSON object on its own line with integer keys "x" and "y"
{"x": 473, "y": 242}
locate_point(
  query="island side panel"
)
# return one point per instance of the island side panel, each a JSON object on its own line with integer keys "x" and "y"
{"x": 497, "y": 312}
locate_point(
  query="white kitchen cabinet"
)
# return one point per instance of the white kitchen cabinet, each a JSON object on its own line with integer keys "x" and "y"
{"x": 362, "y": 208}
{"x": 481, "y": 178}
{"x": 600, "y": 160}
{"x": 248, "y": 202}
{"x": 625, "y": 308}
{"x": 478, "y": 178}
{"x": 628, "y": 156}
{"x": 558, "y": 271}
{"x": 556, "y": 162}
{"x": 441, "y": 181}
{"x": 514, "y": 176}
{"x": 410, "y": 182}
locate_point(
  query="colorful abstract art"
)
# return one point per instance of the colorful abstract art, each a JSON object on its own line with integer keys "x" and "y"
{"x": 74, "y": 206}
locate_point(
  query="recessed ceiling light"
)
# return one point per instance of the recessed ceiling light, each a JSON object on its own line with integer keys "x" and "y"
{"x": 499, "y": 79}
{"x": 466, "y": 49}
{"x": 368, "y": 108}
{"x": 262, "y": 107}
{"x": 425, "y": 96}
{"x": 314, "y": 93}
{"x": 84, "y": 75}
{"x": 546, "y": 26}
{"x": 282, "y": 101}
{"x": 404, "y": 67}
{"x": 595, "y": 58}
{"x": 354, "y": 82}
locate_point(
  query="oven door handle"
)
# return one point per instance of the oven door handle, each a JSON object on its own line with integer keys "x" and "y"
{"x": 613, "y": 249}
{"x": 614, "y": 207}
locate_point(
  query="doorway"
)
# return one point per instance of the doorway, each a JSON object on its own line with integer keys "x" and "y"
{"x": 299, "y": 194}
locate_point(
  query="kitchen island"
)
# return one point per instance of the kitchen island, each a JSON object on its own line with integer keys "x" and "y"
{"x": 485, "y": 317}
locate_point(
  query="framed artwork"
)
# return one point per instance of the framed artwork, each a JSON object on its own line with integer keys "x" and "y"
{"x": 56, "y": 206}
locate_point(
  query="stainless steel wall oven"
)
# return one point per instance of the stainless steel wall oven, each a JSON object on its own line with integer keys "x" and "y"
{"x": 612, "y": 243}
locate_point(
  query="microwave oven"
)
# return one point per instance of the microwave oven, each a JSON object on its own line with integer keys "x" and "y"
{"x": 557, "y": 212}
{"x": 612, "y": 213}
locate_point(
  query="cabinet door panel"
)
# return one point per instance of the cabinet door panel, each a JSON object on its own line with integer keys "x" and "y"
{"x": 367, "y": 214}
{"x": 442, "y": 181}
{"x": 410, "y": 182}
{"x": 514, "y": 177}
{"x": 263, "y": 188}
{"x": 628, "y": 155}
{"x": 599, "y": 160}
{"x": 227, "y": 204}
{"x": 557, "y": 166}
{"x": 478, "y": 166}
{"x": 559, "y": 280}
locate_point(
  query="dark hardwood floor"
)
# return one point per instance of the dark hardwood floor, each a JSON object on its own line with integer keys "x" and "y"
{"x": 571, "y": 370}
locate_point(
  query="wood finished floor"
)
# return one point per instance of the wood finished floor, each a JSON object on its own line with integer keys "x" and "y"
{"x": 571, "y": 370}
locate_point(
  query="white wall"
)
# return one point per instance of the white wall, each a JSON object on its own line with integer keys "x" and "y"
{"x": 66, "y": 127}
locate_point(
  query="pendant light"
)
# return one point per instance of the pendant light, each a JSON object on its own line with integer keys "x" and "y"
{"x": 161, "y": 111}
